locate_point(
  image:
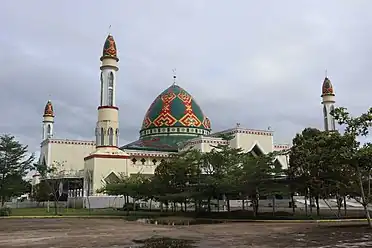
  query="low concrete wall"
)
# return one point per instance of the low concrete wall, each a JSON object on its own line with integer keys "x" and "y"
{"x": 33, "y": 204}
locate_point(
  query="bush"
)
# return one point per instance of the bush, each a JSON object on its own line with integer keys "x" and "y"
{"x": 5, "y": 211}
{"x": 130, "y": 207}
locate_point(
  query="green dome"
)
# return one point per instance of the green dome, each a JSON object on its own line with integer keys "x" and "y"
{"x": 175, "y": 111}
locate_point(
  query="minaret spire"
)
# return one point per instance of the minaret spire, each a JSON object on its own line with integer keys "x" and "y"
{"x": 109, "y": 30}
{"x": 48, "y": 121}
{"x": 328, "y": 101}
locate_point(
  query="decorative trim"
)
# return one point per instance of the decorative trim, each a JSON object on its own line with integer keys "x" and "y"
{"x": 70, "y": 142}
{"x": 203, "y": 141}
{"x": 106, "y": 156}
{"x": 109, "y": 57}
{"x": 108, "y": 107}
{"x": 148, "y": 155}
{"x": 243, "y": 131}
{"x": 282, "y": 146}
{"x": 192, "y": 131}
{"x": 107, "y": 146}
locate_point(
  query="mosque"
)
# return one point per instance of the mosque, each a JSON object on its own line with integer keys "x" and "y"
{"x": 173, "y": 122}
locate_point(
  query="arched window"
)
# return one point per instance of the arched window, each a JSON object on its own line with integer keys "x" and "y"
{"x": 325, "y": 118}
{"x": 102, "y": 137}
{"x": 333, "y": 123}
{"x": 101, "y": 89}
{"x": 49, "y": 131}
{"x": 97, "y": 136}
{"x": 111, "y": 89}
{"x": 111, "y": 136}
{"x": 117, "y": 136}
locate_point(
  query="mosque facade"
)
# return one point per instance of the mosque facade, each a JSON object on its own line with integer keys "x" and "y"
{"x": 173, "y": 122}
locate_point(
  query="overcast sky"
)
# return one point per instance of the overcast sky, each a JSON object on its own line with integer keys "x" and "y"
{"x": 260, "y": 63}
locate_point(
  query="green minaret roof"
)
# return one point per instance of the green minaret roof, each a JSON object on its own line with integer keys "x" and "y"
{"x": 109, "y": 48}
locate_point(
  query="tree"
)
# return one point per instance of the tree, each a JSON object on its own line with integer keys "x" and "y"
{"x": 177, "y": 178}
{"x": 317, "y": 167}
{"x": 132, "y": 186}
{"x": 41, "y": 192}
{"x": 54, "y": 178}
{"x": 14, "y": 165}
{"x": 359, "y": 158}
{"x": 220, "y": 164}
{"x": 88, "y": 181}
{"x": 302, "y": 163}
{"x": 256, "y": 177}
{"x": 336, "y": 172}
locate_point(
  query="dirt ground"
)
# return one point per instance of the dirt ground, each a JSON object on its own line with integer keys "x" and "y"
{"x": 105, "y": 233}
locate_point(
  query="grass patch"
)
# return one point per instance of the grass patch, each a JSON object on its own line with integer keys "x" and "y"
{"x": 63, "y": 212}
{"x": 132, "y": 215}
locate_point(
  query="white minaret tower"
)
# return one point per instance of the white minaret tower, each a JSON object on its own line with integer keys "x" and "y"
{"x": 107, "y": 129}
{"x": 48, "y": 121}
{"x": 328, "y": 101}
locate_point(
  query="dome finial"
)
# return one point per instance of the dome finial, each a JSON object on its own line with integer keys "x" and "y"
{"x": 174, "y": 76}
{"x": 109, "y": 30}
{"x": 326, "y": 73}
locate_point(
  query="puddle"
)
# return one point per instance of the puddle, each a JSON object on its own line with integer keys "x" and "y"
{"x": 164, "y": 242}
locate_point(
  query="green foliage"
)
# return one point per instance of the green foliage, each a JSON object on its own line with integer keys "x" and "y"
{"x": 132, "y": 186}
{"x": 318, "y": 162}
{"x": 331, "y": 164}
{"x": 5, "y": 211}
{"x": 192, "y": 177}
{"x": 42, "y": 192}
{"x": 14, "y": 165}
{"x": 51, "y": 178}
{"x": 359, "y": 157}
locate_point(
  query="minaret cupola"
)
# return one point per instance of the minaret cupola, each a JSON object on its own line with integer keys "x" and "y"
{"x": 48, "y": 110}
{"x": 327, "y": 88}
{"x": 109, "y": 49}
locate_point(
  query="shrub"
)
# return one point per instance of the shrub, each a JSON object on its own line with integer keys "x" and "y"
{"x": 5, "y": 211}
{"x": 130, "y": 207}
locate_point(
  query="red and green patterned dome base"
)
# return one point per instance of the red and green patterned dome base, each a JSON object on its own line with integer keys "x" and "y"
{"x": 175, "y": 112}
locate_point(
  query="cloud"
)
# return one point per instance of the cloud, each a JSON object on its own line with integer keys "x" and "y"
{"x": 257, "y": 63}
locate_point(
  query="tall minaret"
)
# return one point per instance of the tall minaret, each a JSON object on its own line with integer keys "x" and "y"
{"x": 48, "y": 121}
{"x": 107, "y": 129}
{"x": 328, "y": 101}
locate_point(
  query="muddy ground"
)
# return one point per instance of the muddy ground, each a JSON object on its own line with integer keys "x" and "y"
{"x": 105, "y": 233}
